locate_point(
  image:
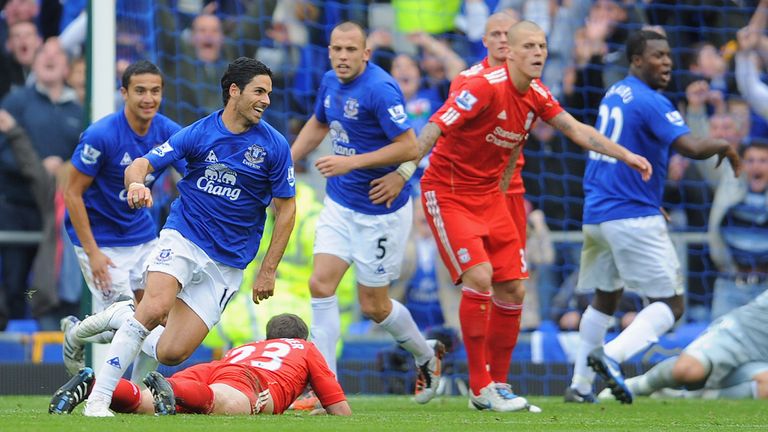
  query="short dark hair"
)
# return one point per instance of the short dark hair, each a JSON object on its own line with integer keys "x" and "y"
{"x": 287, "y": 325}
{"x": 351, "y": 26}
{"x": 138, "y": 68}
{"x": 637, "y": 41}
{"x": 757, "y": 142}
{"x": 240, "y": 72}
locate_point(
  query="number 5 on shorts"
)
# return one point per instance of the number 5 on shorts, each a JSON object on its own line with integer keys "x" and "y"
{"x": 381, "y": 248}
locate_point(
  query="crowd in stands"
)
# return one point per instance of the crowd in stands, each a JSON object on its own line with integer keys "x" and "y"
{"x": 424, "y": 44}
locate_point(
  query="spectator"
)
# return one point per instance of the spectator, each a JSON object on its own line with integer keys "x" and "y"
{"x": 440, "y": 63}
{"x": 22, "y": 44}
{"x": 16, "y": 11}
{"x": 193, "y": 90}
{"x": 49, "y": 263}
{"x": 52, "y": 117}
{"x": 738, "y": 233}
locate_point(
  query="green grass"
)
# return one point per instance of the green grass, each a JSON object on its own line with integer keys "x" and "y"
{"x": 399, "y": 414}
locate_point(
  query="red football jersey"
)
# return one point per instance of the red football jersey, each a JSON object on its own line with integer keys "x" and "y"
{"x": 483, "y": 121}
{"x": 285, "y": 366}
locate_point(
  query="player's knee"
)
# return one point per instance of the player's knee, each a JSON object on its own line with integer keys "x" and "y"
{"x": 688, "y": 370}
{"x": 375, "y": 310}
{"x": 762, "y": 385}
{"x": 478, "y": 278}
{"x": 678, "y": 308}
{"x": 320, "y": 288}
{"x": 151, "y": 314}
{"x": 172, "y": 356}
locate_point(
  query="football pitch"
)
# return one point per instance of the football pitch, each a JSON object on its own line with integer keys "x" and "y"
{"x": 400, "y": 414}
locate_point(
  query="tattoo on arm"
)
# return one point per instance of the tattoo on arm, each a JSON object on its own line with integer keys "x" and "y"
{"x": 428, "y": 137}
{"x": 596, "y": 145}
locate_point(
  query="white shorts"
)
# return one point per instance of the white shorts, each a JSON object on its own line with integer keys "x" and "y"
{"x": 635, "y": 253}
{"x": 127, "y": 275}
{"x": 374, "y": 243}
{"x": 206, "y": 285}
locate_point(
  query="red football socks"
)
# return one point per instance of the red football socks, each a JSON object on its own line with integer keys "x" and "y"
{"x": 473, "y": 314}
{"x": 192, "y": 396}
{"x": 126, "y": 398}
{"x": 501, "y": 337}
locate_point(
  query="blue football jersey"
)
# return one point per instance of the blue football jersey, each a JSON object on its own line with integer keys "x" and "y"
{"x": 363, "y": 115}
{"x": 645, "y": 122}
{"x": 230, "y": 181}
{"x": 106, "y": 148}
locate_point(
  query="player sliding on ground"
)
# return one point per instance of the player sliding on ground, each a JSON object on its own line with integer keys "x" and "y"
{"x": 256, "y": 378}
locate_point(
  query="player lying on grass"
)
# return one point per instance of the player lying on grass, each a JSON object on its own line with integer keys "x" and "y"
{"x": 728, "y": 361}
{"x": 256, "y": 378}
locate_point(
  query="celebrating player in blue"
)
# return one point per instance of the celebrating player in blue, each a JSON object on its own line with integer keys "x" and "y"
{"x": 236, "y": 165}
{"x": 362, "y": 108}
{"x": 626, "y": 243}
{"x": 111, "y": 241}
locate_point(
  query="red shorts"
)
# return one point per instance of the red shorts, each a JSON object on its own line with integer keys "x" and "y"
{"x": 516, "y": 206}
{"x": 236, "y": 376}
{"x": 470, "y": 230}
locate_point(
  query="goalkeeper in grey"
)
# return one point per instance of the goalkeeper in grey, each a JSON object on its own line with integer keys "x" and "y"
{"x": 728, "y": 361}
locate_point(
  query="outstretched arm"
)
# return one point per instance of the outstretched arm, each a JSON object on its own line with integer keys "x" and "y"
{"x": 386, "y": 188}
{"x": 589, "y": 138}
{"x": 704, "y": 148}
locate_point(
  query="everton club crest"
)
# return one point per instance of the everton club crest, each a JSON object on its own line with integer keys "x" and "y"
{"x": 351, "y": 108}
{"x": 254, "y": 156}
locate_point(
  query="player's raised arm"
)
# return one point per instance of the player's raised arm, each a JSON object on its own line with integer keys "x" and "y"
{"x": 138, "y": 195}
{"x": 589, "y": 138}
{"x": 285, "y": 216}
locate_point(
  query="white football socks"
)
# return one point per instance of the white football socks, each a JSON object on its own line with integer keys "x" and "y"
{"x": 592, "y": 329}
{"x": 122, "y": 351}
{"x": 400, "y": 324}
{"x": 649, "y": 324}
{"x": 326, "y": 328}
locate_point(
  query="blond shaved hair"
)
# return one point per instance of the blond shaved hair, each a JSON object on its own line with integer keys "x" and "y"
{"x": 522, "y": 26}
{"x": 505, "y": 15}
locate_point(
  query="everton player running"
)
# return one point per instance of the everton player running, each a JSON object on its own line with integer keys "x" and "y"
{"x": 112, "y": 242}
{"x": 626, "y": 243}
{"x": 236, "y": 165}
{"x": 362, "y": 108}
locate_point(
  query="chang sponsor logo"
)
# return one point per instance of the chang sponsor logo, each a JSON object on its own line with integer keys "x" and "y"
{"x": 219, "y": 180}
{"x": 340, "y": 140}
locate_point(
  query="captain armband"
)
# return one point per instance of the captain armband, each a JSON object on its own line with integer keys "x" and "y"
{"x": 406, "y": 170}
